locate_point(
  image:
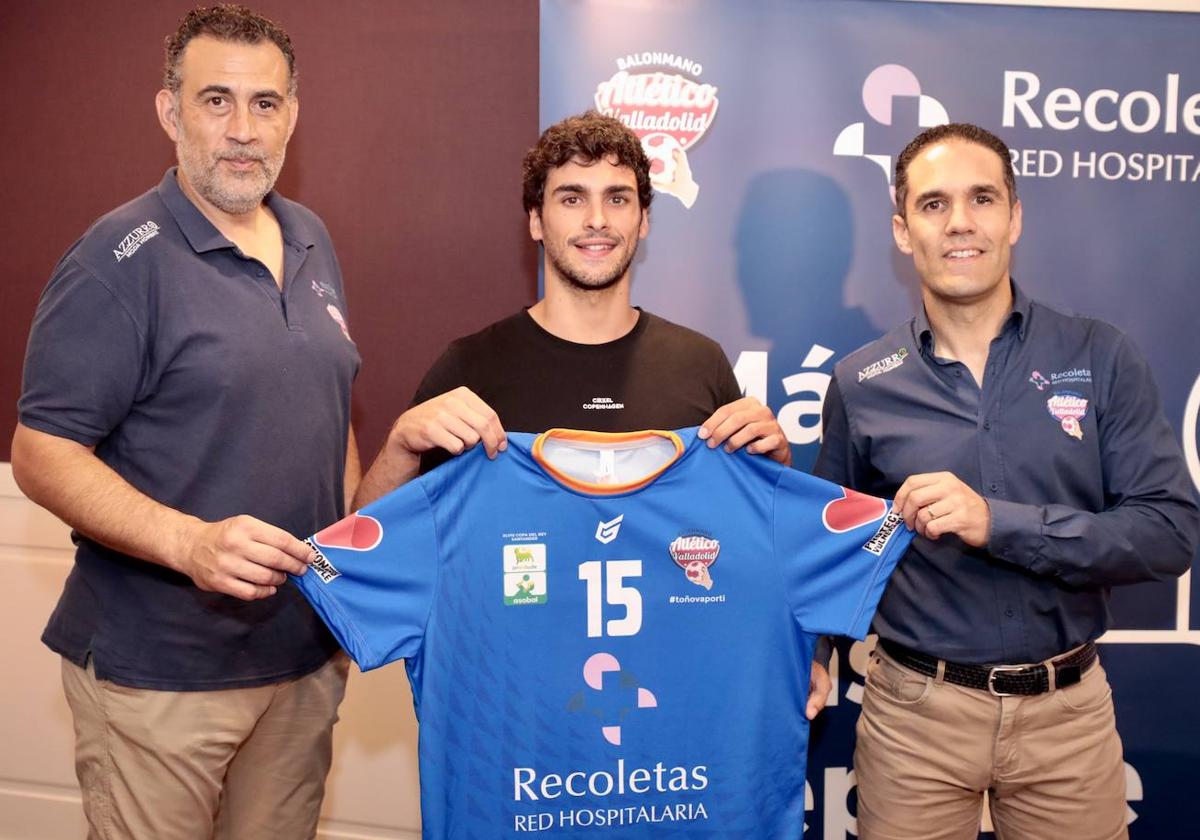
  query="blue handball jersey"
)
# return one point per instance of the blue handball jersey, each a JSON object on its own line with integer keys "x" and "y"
{"x": 607, "y": 635}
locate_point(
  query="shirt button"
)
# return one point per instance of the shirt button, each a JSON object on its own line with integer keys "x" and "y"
{"x": 958, "y": 373}
{"x": 994, "y": 486}
{"x": 987, "y": 424}
{"x": 261, "y": 272}
{"x": 1009, "y": 612}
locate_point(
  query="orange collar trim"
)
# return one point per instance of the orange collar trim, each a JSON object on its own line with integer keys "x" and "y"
{"x": 604, "y": 438}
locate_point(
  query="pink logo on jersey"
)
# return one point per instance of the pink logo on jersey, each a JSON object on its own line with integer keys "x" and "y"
{"x": 694, "y": 553}
{"x": 852, "y": 511}
{"x": 357, "y": 532}
{"x": 594, "y": 669}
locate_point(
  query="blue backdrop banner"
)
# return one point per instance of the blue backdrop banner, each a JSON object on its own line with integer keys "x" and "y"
{"x": 773, "y": 128}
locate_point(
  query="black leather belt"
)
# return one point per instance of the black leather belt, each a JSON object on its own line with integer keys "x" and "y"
{"x": 1000, "y": 680}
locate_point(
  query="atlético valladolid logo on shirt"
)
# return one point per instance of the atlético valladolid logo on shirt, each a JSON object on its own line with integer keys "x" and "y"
{"x": 1069, "y": 408}
{"x": 660, "y": 97}
{"x": 694, "y": 552}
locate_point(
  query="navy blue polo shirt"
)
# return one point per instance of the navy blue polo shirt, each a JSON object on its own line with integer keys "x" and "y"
{"x": 208, "y": 389}
{"x": 1068, "y": 444}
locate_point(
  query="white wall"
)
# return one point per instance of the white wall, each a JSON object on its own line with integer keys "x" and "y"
{"x": 372, "y": 793}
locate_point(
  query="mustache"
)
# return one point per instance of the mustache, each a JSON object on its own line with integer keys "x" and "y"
{"x": 241, "y": 156}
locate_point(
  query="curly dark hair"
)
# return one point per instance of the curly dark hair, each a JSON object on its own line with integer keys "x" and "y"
{"x": 953, "y": 131}
{"x": 586, "y": 138}
{"x": 226, "y": 22}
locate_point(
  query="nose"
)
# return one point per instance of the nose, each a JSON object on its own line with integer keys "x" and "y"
{"x": 960, "y": 219}
{"x": 241, "y": 127}
{"x": 596, "y": 217}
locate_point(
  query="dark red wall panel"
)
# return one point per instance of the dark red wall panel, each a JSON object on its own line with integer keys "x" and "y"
{"x": 413, "y": 120}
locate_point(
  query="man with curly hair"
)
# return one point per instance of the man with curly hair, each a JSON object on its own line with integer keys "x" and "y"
{"x": 185, "y": 409}
{"x": 583, "y": 356}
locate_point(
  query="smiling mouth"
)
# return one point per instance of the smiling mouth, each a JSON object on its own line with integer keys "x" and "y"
{"x": 963, "y": 253}
{"x": 596, "y": 247}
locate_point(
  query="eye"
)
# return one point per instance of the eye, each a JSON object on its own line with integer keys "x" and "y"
{"x": 620, "y": 200}
{"x": 216, "y": 100}
{"x": 933, "y": 205}
{"x": 571, "y": 200}
{"x": 266, "y": 105}
{"x": 984, "y": 198}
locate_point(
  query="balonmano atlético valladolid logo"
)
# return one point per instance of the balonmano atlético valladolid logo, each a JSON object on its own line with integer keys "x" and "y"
{"x": 661, "y": 98}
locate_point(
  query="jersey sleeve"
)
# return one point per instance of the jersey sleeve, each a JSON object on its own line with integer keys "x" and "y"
{"x": 837, "y": 549}
{"x": 375, "y": 576}
{"x": 85, "y": 360}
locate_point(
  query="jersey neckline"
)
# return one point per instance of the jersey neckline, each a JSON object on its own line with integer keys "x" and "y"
{"x": 608, "y": 438}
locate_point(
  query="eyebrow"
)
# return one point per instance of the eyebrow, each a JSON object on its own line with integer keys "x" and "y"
{"x": 579, "y": 188}
{"x": 224, "y": 90}
{"x": 975, "y": 189}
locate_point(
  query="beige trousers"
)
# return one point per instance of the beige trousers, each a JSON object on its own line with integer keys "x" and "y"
{"x": 237, "y": 764}
{"x": 928, "y": 750}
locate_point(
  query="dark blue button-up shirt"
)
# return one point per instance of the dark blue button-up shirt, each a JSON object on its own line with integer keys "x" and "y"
{"x": 1066, "y": 441}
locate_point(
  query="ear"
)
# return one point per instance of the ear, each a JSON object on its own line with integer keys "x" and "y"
{"x": 1014, "y": 225}
{"x": 535, "y": 225}
{"x": 900, "y": 234}
{"x": 644, "y": 227}
{"x": 167, "y": 106}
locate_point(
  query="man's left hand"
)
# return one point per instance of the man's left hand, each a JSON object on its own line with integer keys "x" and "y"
{"x": 940, "y": 503}
{"x": 749, "y": 423}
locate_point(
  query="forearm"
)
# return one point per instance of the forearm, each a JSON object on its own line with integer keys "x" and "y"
{"x": 393, "y": 466}
{"x": 68, "y": 479}
{"x": 1135, "y": 542}
{"x": 353, "y": 473}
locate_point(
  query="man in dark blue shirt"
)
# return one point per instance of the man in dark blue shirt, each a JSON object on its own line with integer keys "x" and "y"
{"x": 186, "y": 409}
{"x": 1029, "y": 450}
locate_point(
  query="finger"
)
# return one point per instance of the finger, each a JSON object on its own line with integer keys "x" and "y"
{"x": 242, "y": 590}
{"x": 736, "y": 421}
{"x": 485, "y": 423}
{"x": 265, "y": 564}
{"x": 753, "y": 433}
{"x": 718, "y": 417}
{"x": 249, "y": 531}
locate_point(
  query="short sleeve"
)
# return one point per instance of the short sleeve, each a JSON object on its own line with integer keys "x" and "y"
{"x": 375, "y": 577}
{"x": 85, "y": 359}
{"x": 837, "y": 549}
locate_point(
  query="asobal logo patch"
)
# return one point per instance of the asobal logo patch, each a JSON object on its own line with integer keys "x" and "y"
{"x": 882, "y": 87}
{"x": 524, "y": 574}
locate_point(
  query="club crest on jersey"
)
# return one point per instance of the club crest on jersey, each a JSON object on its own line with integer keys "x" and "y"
{"x": 524, "y": 574}
{"x": 1069, "y": 408}
{"x": 694, "y": 552}
{"x": 606, "y": 532}
{"x": 611, "y": 703}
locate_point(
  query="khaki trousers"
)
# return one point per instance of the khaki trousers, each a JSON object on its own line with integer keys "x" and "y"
{"x": 928, "y": 750}
{"x": 237, "y": 764}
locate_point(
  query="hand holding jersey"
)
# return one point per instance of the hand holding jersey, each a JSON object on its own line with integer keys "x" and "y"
{"x": 935, "y": 504}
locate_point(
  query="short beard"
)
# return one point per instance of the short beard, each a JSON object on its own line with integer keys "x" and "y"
{"x": 203, "y": 173}
{"x": 577, "y": 281}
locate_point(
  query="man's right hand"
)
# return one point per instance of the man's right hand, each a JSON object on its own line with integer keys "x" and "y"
{"x": 454, "y": 421}
{"x": 240, "y": 556}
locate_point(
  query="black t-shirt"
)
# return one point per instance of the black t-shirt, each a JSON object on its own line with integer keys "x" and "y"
{"x": 659, "y": 375}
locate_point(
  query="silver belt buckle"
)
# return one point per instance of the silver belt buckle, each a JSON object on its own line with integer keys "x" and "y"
{"x": 991, "y": 682}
